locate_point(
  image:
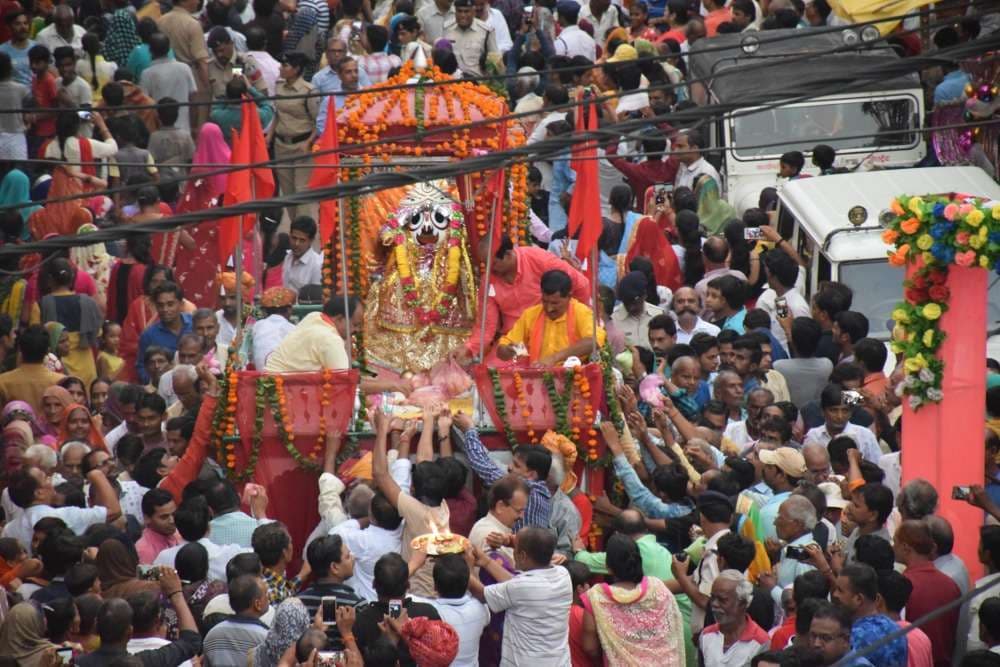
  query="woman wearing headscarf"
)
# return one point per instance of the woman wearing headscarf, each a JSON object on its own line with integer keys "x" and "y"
{"x": 122, "y": 35}
{"x": 55, "y": 400}
{"x": 61, "y": 213}
{"x": 197, "y": 267}
{"x": 22, "y": 411}
{"x": 78, "y": 424}
{"x": 94, "y": 260}
{"x": 15, "y": 189}
{"x": 118, "y": 570}
{"x": 80, "y": 315}
{"x": 127, "y": 276}
{"x": 58, "y": 346}
{"x": 290, "y": 621}
{"x": 22, "y": 637}
{"x": 18, "y": 434}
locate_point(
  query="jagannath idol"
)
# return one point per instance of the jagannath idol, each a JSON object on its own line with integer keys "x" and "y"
{"x": 424, "y": 302}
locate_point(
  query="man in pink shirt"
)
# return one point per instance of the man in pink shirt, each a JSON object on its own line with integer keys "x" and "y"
{"x": 160, "y": 533}
{"x": 515, "y": 285}
{"x": 894, "y": 591}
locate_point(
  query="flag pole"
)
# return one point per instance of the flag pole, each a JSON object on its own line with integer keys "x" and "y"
{"x": 594, "y": 259}
{"x": 348, "y": 344}
{"x": 485, "y": 290}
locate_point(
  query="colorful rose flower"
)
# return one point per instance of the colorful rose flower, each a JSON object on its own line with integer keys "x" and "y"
{"x": 950, "y": 212}
{"x": 938, "y": 293}
{"x": 976, "y": 242}
{"x": 897, "y": 208}
{"x": 938, "y": 210}
{"x": 928, "y": 339}
{"x": 900, "y": 316}
{"x": 931, "y": 311}
{"x": 995, "y": 212}
{"x": 914, "y": 296}
{"x": 910, "y": 226}
{"x": 984, "y": 261}
{"x": 915, "y": 363}
{"x": 940, "y": 230}
{"x": 916, "y": 206}
{"x": 962, "y": 238}
{"x": 889, "y": 236}
{"x": 925, "y": 241}
{"x": 943, "y": 253}
{"x": 966, "y": 259}
{"x": 898, "y": 258}
{"x": 975, "y": 217}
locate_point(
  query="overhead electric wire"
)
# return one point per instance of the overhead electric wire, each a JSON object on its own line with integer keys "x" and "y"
{"x": 543, "y": 150}
{"x": 699, "y": 114}
{"x": 765, "y": 37}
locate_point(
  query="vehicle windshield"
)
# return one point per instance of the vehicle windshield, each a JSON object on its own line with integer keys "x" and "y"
{"x": 862, "y": 124}
{"x": 878, "y": 287}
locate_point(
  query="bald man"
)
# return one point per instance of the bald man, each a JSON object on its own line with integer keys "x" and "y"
{"x": 62, "y": 32}
{"x": 817, "y": 462}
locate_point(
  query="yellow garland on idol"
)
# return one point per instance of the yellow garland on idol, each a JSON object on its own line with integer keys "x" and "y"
{"x": 930, "y": 234}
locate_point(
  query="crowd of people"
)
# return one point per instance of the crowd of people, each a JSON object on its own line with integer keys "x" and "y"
{"x": 754, "y": 512}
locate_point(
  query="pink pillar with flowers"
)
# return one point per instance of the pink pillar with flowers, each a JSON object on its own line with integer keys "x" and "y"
{"x": 941, "y": 336}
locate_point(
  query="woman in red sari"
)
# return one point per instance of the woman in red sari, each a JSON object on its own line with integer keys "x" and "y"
{"x": 648, "y": 240}
{"x": 197, "y": 267}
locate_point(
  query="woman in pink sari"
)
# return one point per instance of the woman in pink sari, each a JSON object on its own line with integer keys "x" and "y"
{"x": 196, "y": 268}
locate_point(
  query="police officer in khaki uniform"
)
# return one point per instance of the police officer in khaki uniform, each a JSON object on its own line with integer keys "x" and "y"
{"x": 473, "y": 41}
{"x": 227, "y": 64}
{"x": 293, "y": 130}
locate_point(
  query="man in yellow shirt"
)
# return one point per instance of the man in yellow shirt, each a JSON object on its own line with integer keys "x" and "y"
{"x": 554, "y": 330}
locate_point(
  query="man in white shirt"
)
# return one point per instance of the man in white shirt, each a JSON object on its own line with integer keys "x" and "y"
{"x": 837, "y": 415}
{"x": 782, "y": 275}
{"x": 269, "y": 332}
{"x": 506, "y": 500}
{"x": 63, "y": 31}
{"x": 686, "y": 308}
{"x": 467, "y": 615}
{"x": 687, "y": 148}
{"x": 494, "y": 18}
{"x": 633, "y": 314}
{"x": 265, "y": 63}
{"x": 302, "y": 265}
{"x": 193, "y": 520}
{"x": 433, "y": 18}
{"x": 537, "y": 602}
{"x": 383, "y": 534}
{"x": 31, "y": 489}
{"x": 573, "y": 41}
{"x": 604, "y": 16}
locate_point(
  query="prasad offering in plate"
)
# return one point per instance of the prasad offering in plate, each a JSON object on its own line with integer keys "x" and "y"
{"x": 439, "y": 543}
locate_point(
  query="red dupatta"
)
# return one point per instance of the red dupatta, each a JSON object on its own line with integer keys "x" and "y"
{"x": 648, "y": 240}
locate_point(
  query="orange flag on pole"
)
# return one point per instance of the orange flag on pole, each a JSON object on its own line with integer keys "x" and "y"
{"x": 585, "y": 207}
{"x": 326, "y": 172}
{"x": 247, "y": 183}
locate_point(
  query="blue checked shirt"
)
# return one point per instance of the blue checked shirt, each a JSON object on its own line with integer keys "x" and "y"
{"x": 539, "y": 506}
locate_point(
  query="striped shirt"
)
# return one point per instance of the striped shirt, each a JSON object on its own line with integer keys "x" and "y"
{"x": 535, "y": 631}
{"x": 312, "y": 598}
{"x": 539, "y": 506}
{"x": 227, "y": 644}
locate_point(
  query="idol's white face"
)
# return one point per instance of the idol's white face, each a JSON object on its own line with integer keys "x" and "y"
{"x": 427, "y": 223}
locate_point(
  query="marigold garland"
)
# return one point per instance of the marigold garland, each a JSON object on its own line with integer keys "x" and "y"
{"x": 524, "y": 407}
{"x": 938, "y": 231}
{"x": 286, "y": 429}
{"x": 500, "y": 401}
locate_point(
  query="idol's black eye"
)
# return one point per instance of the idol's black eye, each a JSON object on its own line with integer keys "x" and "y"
{"x": 439, "y": 217}
{"x": 414, "y": 219}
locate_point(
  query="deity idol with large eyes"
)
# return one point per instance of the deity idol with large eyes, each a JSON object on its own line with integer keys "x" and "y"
{"x": 425, "y": 302}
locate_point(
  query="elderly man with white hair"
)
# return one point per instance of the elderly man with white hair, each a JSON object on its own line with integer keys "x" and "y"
{"x": 734, "y": 639}
{"x": 41, "y": 456}
{"x": 794, "y": 525}
{"x": 71, "y": 459}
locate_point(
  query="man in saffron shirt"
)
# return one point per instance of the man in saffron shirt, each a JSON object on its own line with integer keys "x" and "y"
{"x": 932, "y": 588}
{"x": 556, "y": 329}
{"x": 515, "y": 285}
{"x": 717, "y": 13}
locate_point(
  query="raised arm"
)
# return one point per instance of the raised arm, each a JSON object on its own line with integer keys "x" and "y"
{"x": 425, "y": 446}
{"x": 189, "y": 466}
{"x": 479, "y": 459}
{"x": 380, "y": 462}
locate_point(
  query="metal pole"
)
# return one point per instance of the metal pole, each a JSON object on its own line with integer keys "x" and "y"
{"x": 485, "y": 289}
{"x": 594, "y": 259}
{"x": 348, "y": 344}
